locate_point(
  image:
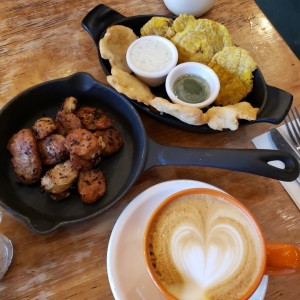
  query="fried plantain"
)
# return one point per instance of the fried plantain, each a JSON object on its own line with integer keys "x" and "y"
{"x": 232, "y": 89}
{"x": 161, "y": 26}
{"x": 239, "y": 62}
{"x": 199, "y": 39}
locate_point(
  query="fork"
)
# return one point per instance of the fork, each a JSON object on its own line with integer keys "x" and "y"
{"x": 293, "y": 127}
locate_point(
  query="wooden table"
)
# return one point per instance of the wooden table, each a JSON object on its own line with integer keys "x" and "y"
{"x": 43, "y": 40}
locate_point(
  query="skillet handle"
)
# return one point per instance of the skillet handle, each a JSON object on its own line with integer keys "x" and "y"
{"x": 254, "y": 161}
{"x": 278, "y": 105}
{"x": 98, "y": 20}
{"x": 42, "y": 226}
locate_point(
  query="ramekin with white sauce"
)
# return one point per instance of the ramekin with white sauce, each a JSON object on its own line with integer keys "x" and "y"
{"x": 151, "y": 58}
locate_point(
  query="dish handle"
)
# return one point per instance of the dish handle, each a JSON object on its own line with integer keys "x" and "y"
{"x": 277, "y": 105}
{"x": 253, "y": 161}
{"x": 98, "y": 20}
{"x": 42, "y": 226}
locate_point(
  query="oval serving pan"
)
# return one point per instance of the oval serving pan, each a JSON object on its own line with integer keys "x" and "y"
{"x": 273, "y": 103}
{"x": 138, "y": 153}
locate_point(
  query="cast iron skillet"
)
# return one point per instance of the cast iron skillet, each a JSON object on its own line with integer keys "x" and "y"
{"x": 43, "y": 215}
{"x": 273, "y": 103}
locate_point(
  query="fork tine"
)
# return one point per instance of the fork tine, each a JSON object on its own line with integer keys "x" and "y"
{"x": 296, "y": 123}
{"x": 293, "y": 132}
{"x": 287, "y": 122}
{"x": 297, "y": 118}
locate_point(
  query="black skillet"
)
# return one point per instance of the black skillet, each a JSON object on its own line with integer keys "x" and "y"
{"x": 138, "y": 153}
{"x": 273, "y": 103}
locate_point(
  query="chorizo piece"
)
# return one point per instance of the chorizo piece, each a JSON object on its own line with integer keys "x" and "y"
{"x": 110, "y": 140}
{"x": 59, "y": 179}
{"x": 44, "y": 127}
{"x": 93, "y": 118}
{"x": 91, "y": 185}
{"x": 83, "y": 143}
{"x": 25, "y": 157}
{"x": 52, "y": 149}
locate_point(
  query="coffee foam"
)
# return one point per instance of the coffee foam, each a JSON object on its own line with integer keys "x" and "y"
{"x": 204, "y": 246}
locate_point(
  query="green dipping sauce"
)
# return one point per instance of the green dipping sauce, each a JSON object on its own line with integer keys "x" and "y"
{"x": 191, "y": 89}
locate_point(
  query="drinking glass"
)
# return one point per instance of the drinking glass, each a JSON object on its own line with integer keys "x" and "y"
{"x": 6, "y": 252}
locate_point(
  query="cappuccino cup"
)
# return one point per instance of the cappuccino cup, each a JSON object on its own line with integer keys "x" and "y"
{"x": 204, "y": 244}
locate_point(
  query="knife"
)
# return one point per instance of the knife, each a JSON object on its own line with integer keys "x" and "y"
{"x": 282, "y": 144}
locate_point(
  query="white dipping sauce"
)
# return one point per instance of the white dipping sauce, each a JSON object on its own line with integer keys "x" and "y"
{"x": 151, "y": 56}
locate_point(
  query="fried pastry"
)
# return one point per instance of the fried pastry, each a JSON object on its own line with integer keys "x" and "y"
{"x": 114, "y": 44}
{"x": 188, "y": 114}
{"x": 130, "y": 86}
{"x": 227, "y": 117}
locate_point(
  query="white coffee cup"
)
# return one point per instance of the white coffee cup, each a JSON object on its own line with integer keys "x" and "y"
{"x": 190, "y": 7}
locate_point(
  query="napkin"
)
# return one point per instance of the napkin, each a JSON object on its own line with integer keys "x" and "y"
{"x": 264, "y": 141}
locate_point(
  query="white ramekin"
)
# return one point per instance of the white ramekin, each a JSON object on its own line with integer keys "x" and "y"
{"x": 196, "y": 69}
{"x": 152, "y": 78}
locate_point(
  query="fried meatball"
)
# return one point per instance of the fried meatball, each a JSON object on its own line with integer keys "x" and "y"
{"x": 25, "y": 157}
{"x": 67, "y": 121}
{"x": 91, "y": 185}
{"x": 110, "y": 140}
{"x": 44, "y": 127}
{"x": 59, "y": 179}
{"x": 93, "y": 118}
{"x": 52, "y": 149}
{"x": 83, "y": 143}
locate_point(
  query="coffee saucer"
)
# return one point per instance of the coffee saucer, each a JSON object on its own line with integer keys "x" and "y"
{"x": 127, "y": 273}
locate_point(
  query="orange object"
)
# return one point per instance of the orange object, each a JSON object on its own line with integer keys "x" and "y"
{"x": 282, "y": 259}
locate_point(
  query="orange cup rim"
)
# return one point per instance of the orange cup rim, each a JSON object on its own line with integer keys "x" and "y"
{"x": 212, "y": 192}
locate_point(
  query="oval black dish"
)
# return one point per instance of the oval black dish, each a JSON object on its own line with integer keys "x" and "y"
{"x": 273, "y": 103}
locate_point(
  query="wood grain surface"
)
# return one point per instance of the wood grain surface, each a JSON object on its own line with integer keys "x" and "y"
{"x": 43, "y": 40}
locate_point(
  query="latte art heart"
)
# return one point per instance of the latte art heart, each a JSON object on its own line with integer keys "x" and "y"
{"x": 207, "y": 262}
{"x": 205, "y": 248}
